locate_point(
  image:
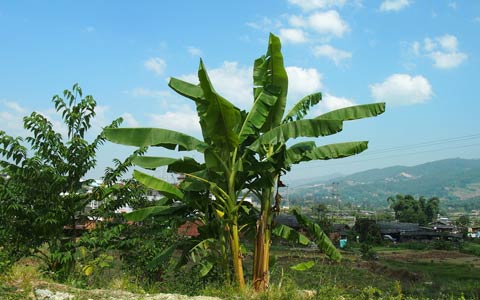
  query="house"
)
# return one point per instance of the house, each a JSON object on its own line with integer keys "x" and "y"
{"x": 442, "y": 225}
{"x": 190, "y": 228}
{"x": 413, "y": 231}
{"x": 288, "y": 220}
{"x": 473, "y": 231}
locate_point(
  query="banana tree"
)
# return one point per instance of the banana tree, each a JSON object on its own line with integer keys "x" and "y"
{"x": 274, "y": 157}
{"x": 219, "y": 120}
{"x": 243, "y": 150}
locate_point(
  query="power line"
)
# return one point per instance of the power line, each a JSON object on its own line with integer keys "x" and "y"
{"x": 425, "y": 144}
{"x": 403, "y": 148}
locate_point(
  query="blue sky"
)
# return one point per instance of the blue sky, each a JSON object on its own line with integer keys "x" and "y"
{"x": 421, "y": 57}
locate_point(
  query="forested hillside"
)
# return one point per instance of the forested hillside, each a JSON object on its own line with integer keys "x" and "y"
{"x": 455, "y": 181}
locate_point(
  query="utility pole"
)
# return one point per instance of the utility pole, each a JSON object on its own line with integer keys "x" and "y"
{"x": 335, "y": 194}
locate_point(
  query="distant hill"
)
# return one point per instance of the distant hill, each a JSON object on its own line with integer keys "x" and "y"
{"x": 452, "y": 180}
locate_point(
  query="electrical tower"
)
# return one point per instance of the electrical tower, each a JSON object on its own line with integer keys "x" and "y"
{"x": 335, "y": 194}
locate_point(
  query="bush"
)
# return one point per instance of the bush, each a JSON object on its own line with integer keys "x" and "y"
{"x": 368, "y": 252}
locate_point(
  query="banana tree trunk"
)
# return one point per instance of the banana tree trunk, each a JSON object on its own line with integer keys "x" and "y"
{"x": 261, "y": 259}
{"x": 237, "y": 255}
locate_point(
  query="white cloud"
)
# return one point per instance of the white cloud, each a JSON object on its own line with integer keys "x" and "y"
{"x": 445, "y": 60}
{"x": 184, "y": 119}
{"x": 292, "y": 35}
{"x": 443, "y": 51}
{"x": 328, "y": 23}
{"x": 394, "y": 5}
{"x": 144, "y": 92}
{"x": 416, "y": 48}
{"x": 265, "y": 24}
{"x": 402, "y": 89}
{"x": 448, "y": 42}
{"x": 194, "y": 51}
{"x": 453, "y": 5}
{"x": 14, "y": 106}
{"x": 334, "y": 54}
{"x": 297, "y": 21}
{"x": 130, "y": 120}
{"x": 101, "y": 118}
{"x": 429, "y": 44}
{"x": 232, "y": 81}
{"x": 317, "y": 4}
{"x": 11, "y": 123}
{"x": 302, "y": 82}
{"x": 12, "y": 118}
{"x": 330, "y": 102}
{"x": 156, "y": 65}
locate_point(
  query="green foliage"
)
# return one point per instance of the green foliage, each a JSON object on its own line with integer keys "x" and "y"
{"x": 44, "y": 194}
{"x": 368, "y": 231}
{"x": 368, "y": 253}
{"x": 303, "y": 266}
{"x": 318, "y": 237}
{"x": 410, "y": 210}
{"x": 470, "y": 248}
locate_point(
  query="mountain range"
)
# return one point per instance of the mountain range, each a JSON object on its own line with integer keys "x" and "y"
{"x": 452, "y": 180}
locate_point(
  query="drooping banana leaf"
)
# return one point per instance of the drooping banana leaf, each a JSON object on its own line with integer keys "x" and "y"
{"x": 355, "y": 112}
{"x": 302, "y": 107}
{"x": 152, "y": 162}
{"x": 221, "y": 117}
{"x": 319, "y": 237}
{"x": 185, "y": 165}
{"x": 158, "y": 137}
{"x": 162, "y": 258}
{"x": 295, "y": 129}
{"x": 167, "y": 189}
{"x": 307, "y": 152}
{"x": 141, "y": 214}
{"x": 257, "y": 115}
{"x": 290, "y": 234}
{"x": 269, "y": 75}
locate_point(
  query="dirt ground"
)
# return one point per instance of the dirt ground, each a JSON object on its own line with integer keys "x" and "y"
{"x": 453, "y": 257}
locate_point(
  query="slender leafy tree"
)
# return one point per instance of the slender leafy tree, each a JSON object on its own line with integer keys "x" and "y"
{"x": 44, "y": 191}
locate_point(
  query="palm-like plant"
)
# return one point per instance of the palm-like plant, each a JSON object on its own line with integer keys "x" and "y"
{"x": 244, "y": 151}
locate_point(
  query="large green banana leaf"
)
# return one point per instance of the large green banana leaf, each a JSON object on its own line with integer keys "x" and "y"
{"x": 302, "y": 107}
{"x": 180, "y": 165}
{"x": 195, "y": 93}
{"x": 319, "y": 237}
{"x": 159, "y": 137}
{"x": 355, "y": 112}
{"x": 152, "y": 162}
{"x": 221, "y": 117}
{"x": 295, "y": 129}
{"x": 269, "y": 75}
{"x": 308, "y": 151}
{"x": 167, "y": 189}
{"x": 257, "y": 115}
{"x": 290, "y": 234}
{"x": 159, "y": 210}
{"x": 187, "y": 89}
